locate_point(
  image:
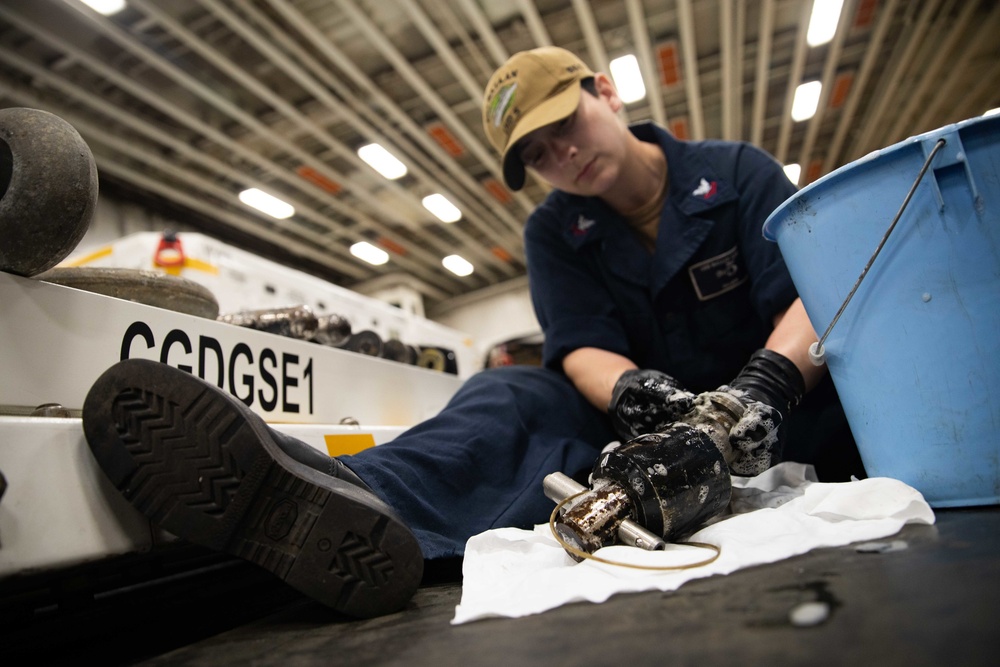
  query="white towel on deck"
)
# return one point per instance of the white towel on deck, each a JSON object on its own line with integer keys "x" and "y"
{"x": 783, "y": 512}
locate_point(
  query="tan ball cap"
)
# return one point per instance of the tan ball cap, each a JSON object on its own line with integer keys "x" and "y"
{"x": 532, "y": 89}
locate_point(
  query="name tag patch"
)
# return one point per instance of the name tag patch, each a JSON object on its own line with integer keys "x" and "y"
{"x": 718, "y": 275}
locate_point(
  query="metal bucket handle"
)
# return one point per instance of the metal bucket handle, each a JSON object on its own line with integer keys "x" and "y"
{"x": 817, "y": 352}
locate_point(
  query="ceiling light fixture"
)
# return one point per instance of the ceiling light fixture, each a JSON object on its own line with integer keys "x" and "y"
{"x": 457, "y": 265}
{"x": 266, "y": 203}
{"x": 106, "y": 7}
{"x": 441, "y": 207}
{"x": 628, "y": 78}
{"x": 823, "y": 21}
{"x": 382, "y": 161}
{"x": 369, "y": 253}
{"x": 806, "y": 100}
{"x": 793, "y": 171}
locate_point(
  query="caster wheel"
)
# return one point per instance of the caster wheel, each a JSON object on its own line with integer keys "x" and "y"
{"x": 48, "y": 190}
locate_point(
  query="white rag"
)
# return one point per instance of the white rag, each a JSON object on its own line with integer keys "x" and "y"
{"x": 783, "y": 512}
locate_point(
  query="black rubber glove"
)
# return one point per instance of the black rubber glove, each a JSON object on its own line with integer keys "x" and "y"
{"x": 768, "y": 387}
{"x": 646, "y": 401}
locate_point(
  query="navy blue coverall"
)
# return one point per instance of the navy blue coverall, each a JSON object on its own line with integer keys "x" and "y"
{"x": 696, "y": 308}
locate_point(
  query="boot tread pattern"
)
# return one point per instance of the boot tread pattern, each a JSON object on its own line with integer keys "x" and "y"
{"x": 358, "y": 561}
{"x": 167, "y": 442}
{"x": 280, "y": 521}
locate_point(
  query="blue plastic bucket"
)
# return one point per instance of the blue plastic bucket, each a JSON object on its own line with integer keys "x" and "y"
{"x": 915, "y": 356}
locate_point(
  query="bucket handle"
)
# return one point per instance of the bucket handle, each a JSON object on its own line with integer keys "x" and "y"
{"x": 817, "y": 353}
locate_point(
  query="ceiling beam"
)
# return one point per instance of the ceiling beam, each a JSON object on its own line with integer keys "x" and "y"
{"x": 644, "y": 54}
{"x": 826, "y": 80}
{"x": 872, "y": 56}
{"x": 912, "y": 37}
{"x": 794, "y": 79}
{"x": 765, "y": 28}
{"x": 692, "y": 85}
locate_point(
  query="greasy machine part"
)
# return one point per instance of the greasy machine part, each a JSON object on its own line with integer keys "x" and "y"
{"x": 559, "y": 487}
{"x": 293, "y": 322}
{"x": 668, "y": 483}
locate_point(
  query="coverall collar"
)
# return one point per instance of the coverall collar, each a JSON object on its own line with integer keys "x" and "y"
{"x": 694, "y": 189}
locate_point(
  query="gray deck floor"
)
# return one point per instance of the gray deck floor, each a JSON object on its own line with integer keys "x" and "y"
{"x": 936, "y": 602}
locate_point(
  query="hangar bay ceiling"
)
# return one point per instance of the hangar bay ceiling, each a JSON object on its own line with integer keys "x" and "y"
{"x": 188, "y": 102}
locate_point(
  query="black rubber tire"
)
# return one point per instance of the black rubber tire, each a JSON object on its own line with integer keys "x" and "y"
{"x": 48, "y": 190}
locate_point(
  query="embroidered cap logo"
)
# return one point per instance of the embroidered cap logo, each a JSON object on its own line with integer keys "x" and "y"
{"x": 532, "y": 89}
{"x": 501, "y": 102}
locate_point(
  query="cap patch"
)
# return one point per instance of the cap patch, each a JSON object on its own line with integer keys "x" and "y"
{"x": 501, "y": 102}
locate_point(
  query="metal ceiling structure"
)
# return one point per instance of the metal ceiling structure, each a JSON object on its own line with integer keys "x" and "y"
{"x": 185, "y": 103}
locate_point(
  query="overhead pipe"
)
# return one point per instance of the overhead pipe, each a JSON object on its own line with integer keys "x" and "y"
{"x": 488, "y": 263}
{"x": 279, "y": 59}
{"x": 644, "y": 54}
{"x": 534, "y": 22}
{"x": 692, "y": 84}
{"x": 351, "y": 71}
{"x": 181, "y": 115}
{"x": 450, "y": 19}
{"x": 726, "y": 57}
{"x": 409, "y": 74}
{"x": 485, "y": 31}
{"x": 885, "y": 97}
{"x": 765, "y": 27}
{"x": 925, "y": 98}
{"x": 263, "y": 229}
{"x": 591, "y": 35}
{"x": 827, "y": 79}
{"x": 794, "y": 79}
{"x": 858, "y": 85}
{"x": 87, "y": 129}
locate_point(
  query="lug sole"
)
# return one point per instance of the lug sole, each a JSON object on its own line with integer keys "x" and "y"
{"x": 204, "y": 467}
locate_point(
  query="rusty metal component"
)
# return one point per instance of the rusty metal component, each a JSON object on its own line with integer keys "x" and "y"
{"x": 332, "y": 329}
{"x": 396, "y": 350}
{"x": 148, "y": 287}
{"x": 559, "y": 487}
{"x": 593, "y": 523}
{"x": 48, "y": 190}
{"x": 668, "y": 483}
{"x": 294, "y": 321}
{"x": 365, "y": 342}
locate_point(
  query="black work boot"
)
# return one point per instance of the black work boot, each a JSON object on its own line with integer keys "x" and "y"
{"x": 316, "y": 459}
{"x": 197, "y": 462}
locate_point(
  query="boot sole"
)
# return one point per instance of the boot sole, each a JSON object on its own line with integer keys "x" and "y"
{"x": 201, "y": 465}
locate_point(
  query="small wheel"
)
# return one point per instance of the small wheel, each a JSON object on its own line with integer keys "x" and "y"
{"x": 48, "y": 190}
{"x": 365, "y": 342}
{"x": 438, "y": 359}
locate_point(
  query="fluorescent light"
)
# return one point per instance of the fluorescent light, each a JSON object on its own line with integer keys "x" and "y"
{"x": 992, "y": 112}
{"x": 806, "y": 100}
{"x": 382, "y": 161}
{"x": 266, "y": 203}
{"x": 823, "y": 21}
{"x": 369, "y": 253}
{"x": 106, "y": 7}
{"x": 442, "y": 208}
{"x": 628, "y": 78}
{"x": 793, "y": 171}
{"x": 457, "y": 265}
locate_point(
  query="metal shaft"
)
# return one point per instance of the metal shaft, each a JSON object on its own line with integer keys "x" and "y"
{"x": 558, "y": 487}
